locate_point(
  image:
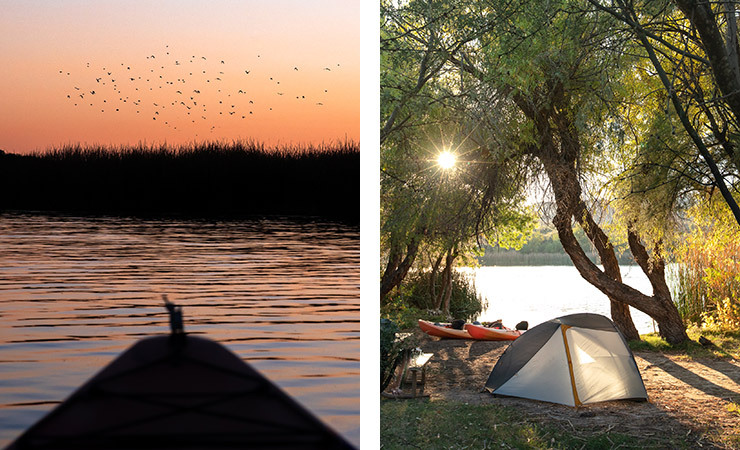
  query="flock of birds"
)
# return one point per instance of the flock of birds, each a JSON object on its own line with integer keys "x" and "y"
{"x": 177, "y": 91}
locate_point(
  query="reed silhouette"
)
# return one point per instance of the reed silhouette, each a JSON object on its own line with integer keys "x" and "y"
{"x": 202, "y": 179}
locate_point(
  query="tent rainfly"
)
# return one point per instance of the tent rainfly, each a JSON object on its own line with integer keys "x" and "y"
{"x": 572, "y": 360}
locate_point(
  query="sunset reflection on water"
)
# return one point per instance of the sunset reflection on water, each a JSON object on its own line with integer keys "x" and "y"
{"x": 76, "y": 292}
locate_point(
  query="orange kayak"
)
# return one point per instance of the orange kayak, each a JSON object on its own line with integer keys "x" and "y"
{"x": 491, "y": 334}
{"x": 442, "y": 330}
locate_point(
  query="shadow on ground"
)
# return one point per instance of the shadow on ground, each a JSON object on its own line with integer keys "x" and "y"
{"x": 686, "y": 406}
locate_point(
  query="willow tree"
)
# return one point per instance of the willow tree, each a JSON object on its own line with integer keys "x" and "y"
{"x": 445, "y": 211}
{"x": 692, "y": 47}
{"x": 538, "y": 83}
{"x": 404, "y": 91}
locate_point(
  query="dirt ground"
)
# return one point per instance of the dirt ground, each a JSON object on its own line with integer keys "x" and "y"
{"x": 688, "y": 398}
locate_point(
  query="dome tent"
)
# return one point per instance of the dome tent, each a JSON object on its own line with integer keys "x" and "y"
{"x": 572, "y": 360}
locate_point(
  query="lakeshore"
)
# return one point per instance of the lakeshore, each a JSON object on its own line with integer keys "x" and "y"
{"x": 692, "y": 402}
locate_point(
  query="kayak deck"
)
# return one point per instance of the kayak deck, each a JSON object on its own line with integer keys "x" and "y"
{"x": 442, "y": 331}
{"x": 179, "y": 392}
{"x": 470, "y": 331}
{"x": 491, "y": 334}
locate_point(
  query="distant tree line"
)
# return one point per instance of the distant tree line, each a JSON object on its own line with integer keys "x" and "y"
{"x": 544, "y": 248}
{"x": 208, "y": 179}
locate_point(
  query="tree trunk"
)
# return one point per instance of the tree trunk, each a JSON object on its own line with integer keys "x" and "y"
{"x": 442, "y": 301}
{"x": 620, "y": 312}
{"x": 398, "y": 266}
{"x": 558, "y": 149}
{"x": 567, "y": 181}
{"x": 660, "y": 307}
{"x": 722, "y": 55}
{"x": 449, "y": 261}
{"x": 439, "y": 298}
{"x": 433, "y": 280}
{"x": 655, "y": 271}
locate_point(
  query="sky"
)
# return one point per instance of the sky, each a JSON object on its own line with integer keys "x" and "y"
{"x": 120, "y": 72}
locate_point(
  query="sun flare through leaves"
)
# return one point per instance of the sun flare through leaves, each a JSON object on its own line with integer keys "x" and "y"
{"x": 446, "y": 159}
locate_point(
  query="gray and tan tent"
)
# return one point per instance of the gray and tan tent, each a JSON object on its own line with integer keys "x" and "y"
{"x": 573, "y": 360}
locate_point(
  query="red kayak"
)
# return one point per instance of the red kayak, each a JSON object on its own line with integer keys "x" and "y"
{"x": 442, "y": 330}
{"x": 482, "y": 333}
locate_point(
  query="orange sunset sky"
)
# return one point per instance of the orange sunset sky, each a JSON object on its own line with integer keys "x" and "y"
{"x": 127, "y": 71}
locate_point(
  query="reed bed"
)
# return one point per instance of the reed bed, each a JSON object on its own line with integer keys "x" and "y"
{"x": 238, "y": 178}
{"x": 707, "y": 285}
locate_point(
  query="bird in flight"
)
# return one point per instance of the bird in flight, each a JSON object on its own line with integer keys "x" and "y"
{"x": 198, "y": 84}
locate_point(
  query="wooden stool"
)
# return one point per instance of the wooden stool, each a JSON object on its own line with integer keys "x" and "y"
{"x": 418, "y": 364}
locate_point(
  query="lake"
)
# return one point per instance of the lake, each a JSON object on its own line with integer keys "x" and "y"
{"x": 75, "y": 292}
{"x": 540, "y": 293}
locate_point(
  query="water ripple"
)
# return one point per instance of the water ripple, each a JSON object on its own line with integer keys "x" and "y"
{"x": 75, "y": 292}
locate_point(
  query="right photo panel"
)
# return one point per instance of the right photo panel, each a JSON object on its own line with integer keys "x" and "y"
{"x": 559, "y": 224}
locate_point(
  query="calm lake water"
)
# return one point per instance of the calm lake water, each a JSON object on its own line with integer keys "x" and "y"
{"x": 540, "y": 293}
{"x": 75, "y": 292}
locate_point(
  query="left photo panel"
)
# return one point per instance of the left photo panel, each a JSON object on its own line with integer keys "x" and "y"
{"x": 179, "y": 224}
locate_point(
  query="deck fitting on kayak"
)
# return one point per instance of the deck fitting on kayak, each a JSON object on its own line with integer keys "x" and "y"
{"x": 176, "y": 326}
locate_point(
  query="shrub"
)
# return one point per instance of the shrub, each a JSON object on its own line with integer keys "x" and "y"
{"x": 706, "y": 280}
{"x": 407, "y": 316}
{"x": 413, "y": 301}
{"x": 391, "y": 351}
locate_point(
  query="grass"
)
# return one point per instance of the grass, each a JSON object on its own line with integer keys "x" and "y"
{"x": 438, "y": 424}
{"x": 454, "y": 425}
{"x": 205, "y": 179}
{"x": 444, "y": 424}
{"x": 726, "y": 344}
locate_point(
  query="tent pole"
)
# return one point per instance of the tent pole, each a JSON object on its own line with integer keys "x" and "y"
{"x": 563, "y": 328}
